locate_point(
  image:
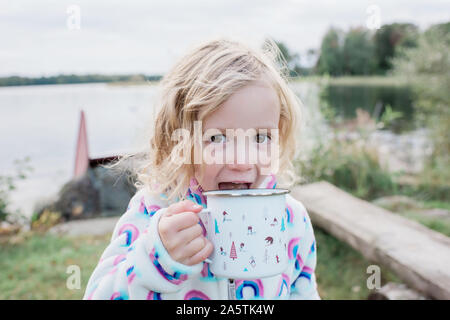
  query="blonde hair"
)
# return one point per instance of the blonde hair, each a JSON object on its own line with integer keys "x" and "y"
{"x": 196, "y": 85}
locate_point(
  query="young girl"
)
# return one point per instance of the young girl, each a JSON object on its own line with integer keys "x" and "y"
{"x": 157, "y": 250}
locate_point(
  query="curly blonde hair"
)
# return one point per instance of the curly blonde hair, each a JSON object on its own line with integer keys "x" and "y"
{"x": 198, "y": 84}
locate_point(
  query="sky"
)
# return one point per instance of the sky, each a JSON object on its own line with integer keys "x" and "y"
{"x": 49, "y": 37}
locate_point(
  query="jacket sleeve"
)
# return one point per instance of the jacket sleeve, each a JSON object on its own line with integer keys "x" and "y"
{"x": 304, "y": 286}
{"x": 135, "y": 265}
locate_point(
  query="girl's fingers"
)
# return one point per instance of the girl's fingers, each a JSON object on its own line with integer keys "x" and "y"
{"x": 182, "y": 206}
{"x": 200, "y": 255}
{"x": 183, "y": 253}
{"x": 170, "y": 226}
{"x": 194, "y": 246}
{"x": 181, "y": 234}
{"x": 189, "y": 234}
{"x": 183, "y": 221}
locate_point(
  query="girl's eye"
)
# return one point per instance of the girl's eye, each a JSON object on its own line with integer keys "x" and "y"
{"x": 218, "y": 138}
{"x": 262, "y": 138}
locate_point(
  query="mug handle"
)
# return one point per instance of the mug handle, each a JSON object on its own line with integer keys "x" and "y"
{"x": 205, "y": 211}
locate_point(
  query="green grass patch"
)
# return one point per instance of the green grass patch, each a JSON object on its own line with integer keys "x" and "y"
{"x": 438, "y": 224}
{"x": 36, "y": 267}
{"x": 341, "y": 271}
{"x": 437, "y": 205}
{"x": 419, "y": 211}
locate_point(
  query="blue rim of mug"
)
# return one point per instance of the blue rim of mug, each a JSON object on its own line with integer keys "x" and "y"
{"x": 249, "y": 192}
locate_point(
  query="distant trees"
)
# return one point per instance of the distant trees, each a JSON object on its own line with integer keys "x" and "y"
{"x": 331, "y": 55}
{"x": 389, "y": 39}
{"x": 363, "y": 52}
{"x": 357, "y": 53}
{"x": 72, "y": 78}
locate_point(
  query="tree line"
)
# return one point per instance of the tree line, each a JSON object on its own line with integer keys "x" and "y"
{"x": 73, "y": 78}
{"x": 359, "y": 51}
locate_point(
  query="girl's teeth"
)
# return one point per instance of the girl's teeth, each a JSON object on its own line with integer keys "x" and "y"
{"x": 232, "y": 186}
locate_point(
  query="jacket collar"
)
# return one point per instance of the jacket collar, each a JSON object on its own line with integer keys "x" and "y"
{"x": 195, "y": 190}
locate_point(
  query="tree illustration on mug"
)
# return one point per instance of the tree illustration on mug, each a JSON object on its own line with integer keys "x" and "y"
{"x": 216, "y": 227}
{"x": 233, "y": 254}
{"x": 283, "y": 228}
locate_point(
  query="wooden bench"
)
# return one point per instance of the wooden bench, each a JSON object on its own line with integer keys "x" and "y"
{"x": 418, "y": 255}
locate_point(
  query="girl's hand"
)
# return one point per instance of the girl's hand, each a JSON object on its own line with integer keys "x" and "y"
{"x": 181, "y": 234}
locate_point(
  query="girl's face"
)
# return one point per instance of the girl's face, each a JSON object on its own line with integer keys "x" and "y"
{"x": 253, "y": 107}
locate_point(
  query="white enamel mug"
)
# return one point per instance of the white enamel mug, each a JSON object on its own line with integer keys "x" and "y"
{"x": 248, "y": 230}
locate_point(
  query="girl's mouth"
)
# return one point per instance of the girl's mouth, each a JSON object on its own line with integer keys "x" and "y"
{"x": 234, "y": 185}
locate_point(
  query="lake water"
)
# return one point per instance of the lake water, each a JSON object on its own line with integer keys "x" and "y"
{"x": 42, "y": 122}
{"x": 346, "y": 99}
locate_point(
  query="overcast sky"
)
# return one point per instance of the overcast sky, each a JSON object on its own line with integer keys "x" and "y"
{"x": 45, "y": 37}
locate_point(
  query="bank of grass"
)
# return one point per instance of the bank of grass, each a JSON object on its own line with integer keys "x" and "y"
{"x": 422, "y": 214}
{"x": 438, "y": 224}
{"x": 36, "y": 267}
{"x": 342, "y": 272}
{"x": 384, "y": 81}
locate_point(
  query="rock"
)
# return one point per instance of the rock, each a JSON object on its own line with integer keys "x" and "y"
{"x": 100, "y": 192}
{"x": 115, "y": 191}
{"x": 79, "y": 198}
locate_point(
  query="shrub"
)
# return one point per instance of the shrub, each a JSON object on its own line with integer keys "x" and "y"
{"x": 349, "y": 165}
{"x": 8, "y": 183}
{"x": 427, "y": 68}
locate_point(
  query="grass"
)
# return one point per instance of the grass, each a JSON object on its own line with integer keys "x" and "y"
{"x": 36, "y": 267}
{"x": 341, "y": 271}
{"x": 355, "y": 80}
{"x": 435, "y": 204}
{"x": 438, "y": 224}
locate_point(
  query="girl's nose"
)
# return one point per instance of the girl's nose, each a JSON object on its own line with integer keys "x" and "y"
{"x": 243, "y": 157}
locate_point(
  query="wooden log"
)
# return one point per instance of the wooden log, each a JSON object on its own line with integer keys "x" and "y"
{"x": 418, "y": 255}
{"x": 395, "y": 291}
